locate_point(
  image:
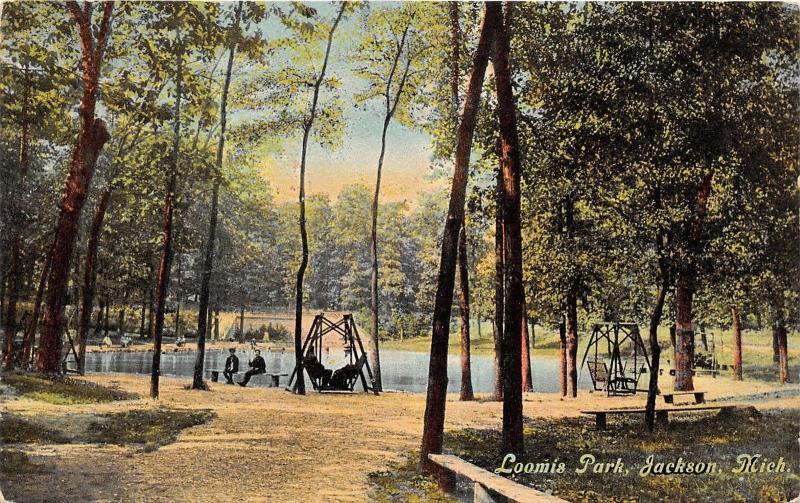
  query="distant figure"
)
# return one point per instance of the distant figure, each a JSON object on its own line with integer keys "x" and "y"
{"x": 106, "y": 342}
{"x": 231, "y": 366}
{"x": 125, "y": 341}
{"x": 253, "y": 345}
{"x": 258, "y": 366}
{"x": 180, "y": 341}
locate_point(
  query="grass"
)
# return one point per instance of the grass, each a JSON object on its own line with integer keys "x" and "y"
{"x": 404, "y": 483}
{"x": 150, "y": 427}
{"x": 18, "y": 430}
{"x": 14, "y": 462}
{"x": 62, "y": 391}
{"x": 731, "y": 434}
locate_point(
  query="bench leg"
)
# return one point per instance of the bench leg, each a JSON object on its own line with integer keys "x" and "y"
{"x": 482, "y": 495}
{"x": 214, "y": 376}
{"x": 276, "y": 381}
{"x": 600, "y": 421}
{"x": 661, "y": 417}
{"x": 668, "y": 398}
{"x": 699, "y": 398}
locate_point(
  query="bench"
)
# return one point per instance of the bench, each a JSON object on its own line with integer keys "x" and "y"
{"x": 275, "y": 377}
{"x": 699, "y": 396}
{"x": 661, "y": 413}
{"x": 487, "y": 483}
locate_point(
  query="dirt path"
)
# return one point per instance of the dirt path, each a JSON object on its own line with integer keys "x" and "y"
{"x": 270, "y": 445}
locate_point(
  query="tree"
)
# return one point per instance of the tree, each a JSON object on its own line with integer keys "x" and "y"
{"x": 393, "y": 79}
{"x": 307, "y": 126}
{"x": 208, "y": 259}
{"x": 433, "y": 428}
{"x": 92, "y": 136}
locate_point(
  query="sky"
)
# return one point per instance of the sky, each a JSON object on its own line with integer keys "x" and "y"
{"x": 406, "y": 172}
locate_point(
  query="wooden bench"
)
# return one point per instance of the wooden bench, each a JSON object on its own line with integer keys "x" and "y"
{"x": 275, "y": 377}
{"x": 661, "y": 413}
{"x": 487, "y": 483}
{"x": 699, "y": 396}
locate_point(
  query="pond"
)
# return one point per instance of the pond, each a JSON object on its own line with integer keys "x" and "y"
{"x": 402, "y": 370}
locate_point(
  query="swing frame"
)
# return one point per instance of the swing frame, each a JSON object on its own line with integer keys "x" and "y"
{"x": 613, "y": 335}
{"x": 353, "y": 348}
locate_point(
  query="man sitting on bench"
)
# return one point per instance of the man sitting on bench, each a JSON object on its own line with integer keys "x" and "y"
{"x": 231, "y": 366}
{"x": 258, "y": 366}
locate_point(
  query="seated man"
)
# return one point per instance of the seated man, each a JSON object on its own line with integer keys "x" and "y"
{"x": 316, "y": 370}
{"x": 341, "y": 378}
{"x": 180, "y": 341}
{"x": 125, "y": 341}
{"x": 106, "y": 342}
{"x": 258, "y": 366}
{"x": 231, "y": 366}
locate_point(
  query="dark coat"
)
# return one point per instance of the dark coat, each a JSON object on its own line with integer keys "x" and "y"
{"x": 258, "y": 363}
{"x": 232, "y": 364}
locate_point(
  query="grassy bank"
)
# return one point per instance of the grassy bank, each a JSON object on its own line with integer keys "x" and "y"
{"x": 744, "y": 431}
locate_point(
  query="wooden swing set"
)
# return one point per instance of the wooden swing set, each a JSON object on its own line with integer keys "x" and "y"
{"x": 345, "y": 378}
{"x": 609, "y": 370}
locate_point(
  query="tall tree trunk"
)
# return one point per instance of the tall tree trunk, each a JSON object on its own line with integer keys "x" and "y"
{"x": 562, "y": 356}
{"x": 30, "y": 332}
{"x": 572, "y": 343}
{"x": 105, "y": 319}
{"x": 216, "y": 321}
{"x": 511, "y": 168}
{"x": 390, "y": 108}
{"x": 166, "y": 232}
{"x": 300, "y": 385}
{"x": 684, "y": 333}
{"x": 144, "y": 315}
{"x": 121, "y": 317}
{"x": 14, "y": 273}
{"x": 783, "y": 351}
{"x": 151, "y": 311}
{"x": 11, "y": 308}
{"x": 527, "y": 382}
{"x": 779, "y": 335}
{"x": 241, "y": 323}
{"x": 499, "y": 291}
{"x": 463, "y": 305}
{"x": 655, "y": 352}
{"x": 737, "y": 344}
{"x": 776, "y": 353}
{"x": 89, "y": 276}
{"x": 91, "y": 139}
{"x": 208, "y": 264}
{"x": 433, "y": 427}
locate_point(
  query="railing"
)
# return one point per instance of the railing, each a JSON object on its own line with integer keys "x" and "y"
{"x": 488, "y": 484}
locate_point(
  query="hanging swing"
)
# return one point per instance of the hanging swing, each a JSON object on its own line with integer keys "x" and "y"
{"x": 619, "y": 360}
{"x": 345, "y": 378}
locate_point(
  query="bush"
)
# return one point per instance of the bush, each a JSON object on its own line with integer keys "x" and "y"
{"x": 276, "y": 332}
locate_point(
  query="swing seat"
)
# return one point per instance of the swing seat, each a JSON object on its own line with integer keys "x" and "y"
{"x": 598, "y": 371}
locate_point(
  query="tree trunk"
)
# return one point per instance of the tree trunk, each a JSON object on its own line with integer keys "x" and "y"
{"x": 151, "y": 312}
{"x": 144, "y": 315}
{"x": 433, "y": 427}
{"x": 208, "y": 265}
{"x": 463, "y": 305}
{"x": 91, "y": 139}
{"x": 779, "y": 336}
{"x": 241, "y": 323}
{"x": 89, "y": 276}
{"x": 655, "y": 356}
{"x": 216, "y": 321}
{"x": 121, "y": 317}
{"x": 562, "y": 356}
{"x": 737, "y": 344}
{"x": 514, "y": 304}
{"x": 11, "y": 307}
{"x": 527, "y": 382}
{"x": 300, "y": 385}
{"x": 684, "y": 333}
{"x": 105, "y": 319}
{"x": 166, "y": 232}
{"x": 572, "y": 343}
{"x": 499, "y": 292}
{"x": 783, "y": 352}
{"x": 776, "y": 353}
{"x": 30, "y": 333}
